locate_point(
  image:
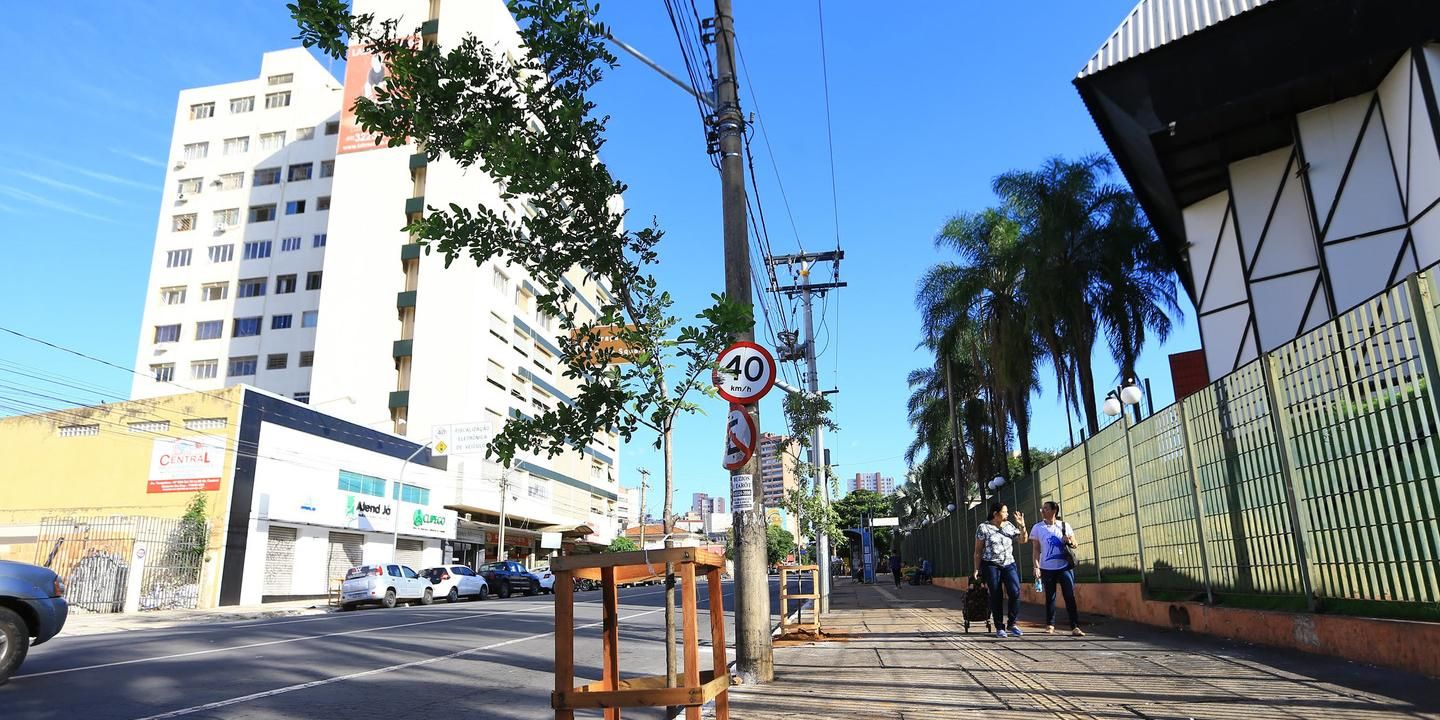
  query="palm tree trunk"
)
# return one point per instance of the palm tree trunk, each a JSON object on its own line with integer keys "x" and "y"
{"x": 1087, "y": 387}
{"x": 1022, "y": 435}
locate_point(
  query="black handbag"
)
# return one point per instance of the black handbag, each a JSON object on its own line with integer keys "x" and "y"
{"x": 1069, "y": 551}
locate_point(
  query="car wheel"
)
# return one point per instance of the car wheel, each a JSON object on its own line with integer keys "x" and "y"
{"x": 534, "y": 589}
{"x": 453, "y": 596}
{"x": 389, "y": 600}
{"x": 504, "y": 590}
{"x": 14, "y": 642}
{"x": 427, "y": 598}
{"x": 484, "y": 592}
{"x": 347, "y": 607}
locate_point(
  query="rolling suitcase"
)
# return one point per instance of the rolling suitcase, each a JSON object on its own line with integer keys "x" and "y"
{"x": 977, "y": 606}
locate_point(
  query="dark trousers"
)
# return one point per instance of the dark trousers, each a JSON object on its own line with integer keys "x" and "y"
{"x": 1065, "y": 580}
{"x": 1008, "y": 579}
{"x": 896, "y": 573}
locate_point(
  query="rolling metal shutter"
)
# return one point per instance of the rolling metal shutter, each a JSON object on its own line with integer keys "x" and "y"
{"x": 347, "y": 550}
{"x": 410, "y": 552}
{"x": 279, "y": 561}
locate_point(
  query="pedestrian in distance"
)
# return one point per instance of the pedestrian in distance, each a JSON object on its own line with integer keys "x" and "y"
{"x": 1054, "y": 544}
{"x": 995, "y": 541}
{"x": 895, "y": 566}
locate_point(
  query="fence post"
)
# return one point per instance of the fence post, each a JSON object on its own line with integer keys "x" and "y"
{"x": 1422, "y": 305}
{"x": 1299, "y": 525}
{"x": 1135, "y": 502}
{"x": 1194, "y": 474}
{"x": 1094, "y": 519}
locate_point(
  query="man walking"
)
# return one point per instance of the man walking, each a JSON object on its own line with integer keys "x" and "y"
{"x": 895, "y": 566}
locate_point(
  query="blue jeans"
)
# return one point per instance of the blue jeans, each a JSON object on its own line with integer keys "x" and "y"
{"x": 1065, "y": 579}
{"x": 1007, "y": 577}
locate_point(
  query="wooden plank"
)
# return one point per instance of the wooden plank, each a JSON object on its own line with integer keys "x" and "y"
{"x": 610, "y": 636}
{"x": 661, "y": 556}
{"x": 647, "y": 691}
{"x": 564, "y": 642}
{"x": 691, "y": 609}
{"x": 720, "y": 661}
{"x": 625, "y": 573}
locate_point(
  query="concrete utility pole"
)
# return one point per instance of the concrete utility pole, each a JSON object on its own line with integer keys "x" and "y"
{"x": 504, "y": 482}
{"x": 754, "y": 655}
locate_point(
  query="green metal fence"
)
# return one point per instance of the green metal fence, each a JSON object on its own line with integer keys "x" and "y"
{"x": 1309, "y": 478}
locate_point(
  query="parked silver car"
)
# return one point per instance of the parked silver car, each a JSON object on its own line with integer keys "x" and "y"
{"x": 384, "y": 584}
{"x": 453, "y": 582}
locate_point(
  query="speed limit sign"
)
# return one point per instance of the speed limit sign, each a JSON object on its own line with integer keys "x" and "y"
{"x": 744, "y": 373}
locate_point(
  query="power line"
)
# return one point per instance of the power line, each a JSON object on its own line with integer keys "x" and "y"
{"x": 769, "y": 149}
{"x": 829, "y": 132}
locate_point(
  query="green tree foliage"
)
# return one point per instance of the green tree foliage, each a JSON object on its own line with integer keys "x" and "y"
{"x": 622, "y": 544}
{"x": 779, "y": 543}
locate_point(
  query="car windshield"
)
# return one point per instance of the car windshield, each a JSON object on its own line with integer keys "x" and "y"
{"x": 356, "y": 572}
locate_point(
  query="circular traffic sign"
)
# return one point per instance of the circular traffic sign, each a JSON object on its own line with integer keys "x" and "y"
{"x": 739, "y": 438}
{"x": 745, "y": 372}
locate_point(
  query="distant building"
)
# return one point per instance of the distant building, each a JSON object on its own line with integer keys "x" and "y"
{"x": 651, "y": 536}
{"x": 704, "y": 504}
{"x": 627, "y": 508}
{"x": 874, "y": 482}
{"x": 778, "y": 455}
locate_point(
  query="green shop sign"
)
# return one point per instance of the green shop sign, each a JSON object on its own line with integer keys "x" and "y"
{"x": 422, "y": 519}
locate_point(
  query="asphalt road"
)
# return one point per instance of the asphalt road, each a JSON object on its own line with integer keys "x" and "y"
{"x": 491, "y": 659}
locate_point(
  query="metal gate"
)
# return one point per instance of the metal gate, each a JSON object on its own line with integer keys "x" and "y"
{"x": 279, "y": 560}
{"x": 94, "y": 555}
{"x": 347, "y": 550}
{"x": 411, "y": 553}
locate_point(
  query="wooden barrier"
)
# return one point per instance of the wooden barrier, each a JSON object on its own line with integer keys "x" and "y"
{"x": 612, "y": 693}
{"x": 786, "y": 596}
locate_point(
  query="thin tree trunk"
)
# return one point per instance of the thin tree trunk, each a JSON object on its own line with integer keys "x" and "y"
{"x": 671, "y": 672}
{"x": 1087, "y": 386}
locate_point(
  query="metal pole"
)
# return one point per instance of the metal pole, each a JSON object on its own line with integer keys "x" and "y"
{"x": 395, "y": 520}
{"x": 500, "y": 553}
{"x": 1299, "y": 522}
{"x": 817, "y": 449}
{"x": 1135, "y": 500}
{"x": 754, "y": 654}
{"x": 1195, "y": 498}
{"x": 709, "y": 102}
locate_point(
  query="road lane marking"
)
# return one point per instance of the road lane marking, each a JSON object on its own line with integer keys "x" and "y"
{"x": 367, "y": 673}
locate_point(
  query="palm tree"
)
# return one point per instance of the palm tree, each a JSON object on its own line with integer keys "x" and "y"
{"x": 1135, "y": 288}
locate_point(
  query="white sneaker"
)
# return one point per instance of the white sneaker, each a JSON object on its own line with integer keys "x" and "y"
{"x": 1001, "y": 634}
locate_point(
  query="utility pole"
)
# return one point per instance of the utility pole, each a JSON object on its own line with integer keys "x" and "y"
{"x": 807, "y": 292}
{"x": 504, "y": 483}
{"x": 754, "y": 655}
{"x": 644, "y": 485}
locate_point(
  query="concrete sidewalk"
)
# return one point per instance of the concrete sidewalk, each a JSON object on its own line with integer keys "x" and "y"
{"x": 83, "y": 623}
{"x": 907, "y": 657}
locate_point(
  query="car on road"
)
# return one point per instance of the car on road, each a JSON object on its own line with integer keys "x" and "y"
{"x": 32, "y": 610}
{"x": 547, "y": 578}
{"x": 384, "y": 584}
{"x": 508, "y": 577}
{"x": 453, "y": 582}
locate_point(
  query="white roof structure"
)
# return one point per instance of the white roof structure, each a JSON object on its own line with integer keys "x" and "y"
{"x": 1158, "y": 22}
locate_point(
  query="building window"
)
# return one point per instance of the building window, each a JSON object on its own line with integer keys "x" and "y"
{"x": 284, "y": 284}
{"x": 499, "y": 282}
{"x": 277, "y": 100}
{"x": 242, "y": 105}
{"x": 262, "y": 213}
{"x": 173, "y": 295}
{"x": 182, "y": 223}
{"x": 278, "y": 361}
{"x": 319, "y": 240}
{"x": 246, "y": 327}
{"x": 189, "y": 186}
{"x": 222, "y": 253}
{"x": 361, "y": 484}
{"x": 266, "y": 176}
{"x": 241, "y": 366}
{"x": 307, "y": 358}
{"x": 282, "y": 79}
{"x": 322, "y": 203}
{"x": 312, "y": 280}
{"x": 280, "y": 322}
{"x": 79, "y": 430}
{"x": 167, "y": 333}
{"x": 209, "y": 329}
{"x": 305, "y": 133}
{"x": 539, "y": 488}
{"x": 177, "y": 258}
{"x": 237, "y": 145}
{"x": 289, "y": 244}
{"x": 411, "y": 494}
{"x": 309, "y": 318}
{"x": 203, "y": 370}
{"x": 251, "y": 287}
{"x": 231, "y": 181}
{"x": 257, "y": 249}
{"x": 227, "y": 218}
{"x": 522, "y": 301}
{"x": 197, "y": 151}
{"x": 295, "y": 207}
{"x": 327, "y": 167}
{"x": 332, "y": 127}
{"x": 205, "y": 423}
{"x": 303, "y": 398}
{"x": 272, "y": 140}
{"x": 546, "y": 322}
{"x": 200, "y": 111}
{"x": 300, "y": 172}
{"x": 163, "y": 373}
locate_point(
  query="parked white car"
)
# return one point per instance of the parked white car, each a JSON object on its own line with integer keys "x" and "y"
{"x": 384, "y": 584}
{"x": 453, "y": 582}
{"x": 547, "y": 578}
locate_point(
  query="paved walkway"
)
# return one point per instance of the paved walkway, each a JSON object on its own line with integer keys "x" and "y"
{"x": 84, "y": 623}
{"x": 908, "y": 658}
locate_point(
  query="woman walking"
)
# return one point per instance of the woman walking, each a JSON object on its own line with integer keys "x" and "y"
{"x": 1054, "y": 545}
{"x": 995, "y": 556}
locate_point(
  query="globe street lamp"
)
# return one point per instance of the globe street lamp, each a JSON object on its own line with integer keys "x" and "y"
{"x": 1127, "y": 394}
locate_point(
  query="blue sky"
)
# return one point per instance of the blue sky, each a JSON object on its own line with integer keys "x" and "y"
{"x": 928, "y": 105}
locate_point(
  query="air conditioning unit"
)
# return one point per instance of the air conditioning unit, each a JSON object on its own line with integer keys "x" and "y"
{"x": 222, "y": 227}
{"x": 179, "y": 164}
{"x": 181, "y": 198}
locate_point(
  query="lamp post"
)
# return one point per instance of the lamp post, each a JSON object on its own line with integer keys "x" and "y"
{"x": 395, "y": 521}
{"x": 1129, "y": 394}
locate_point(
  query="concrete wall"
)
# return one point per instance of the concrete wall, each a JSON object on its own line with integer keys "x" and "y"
{"x": 1401, "y": 644}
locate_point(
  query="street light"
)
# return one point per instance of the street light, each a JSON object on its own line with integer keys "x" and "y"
{"x": 997, "y": 483}
{"x": 395, "y": 520}
{"x": 1128, "y": 393}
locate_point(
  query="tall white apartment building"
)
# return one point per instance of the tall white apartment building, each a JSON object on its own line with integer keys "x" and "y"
{"x": 240, "y": 248}
{"x": 874, "y": 482}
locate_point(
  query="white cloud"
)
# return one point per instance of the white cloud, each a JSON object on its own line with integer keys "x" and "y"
{"x": 144, "y": 159}
{"x": 43, "y": 202}
{"x": 61, "y": 185}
